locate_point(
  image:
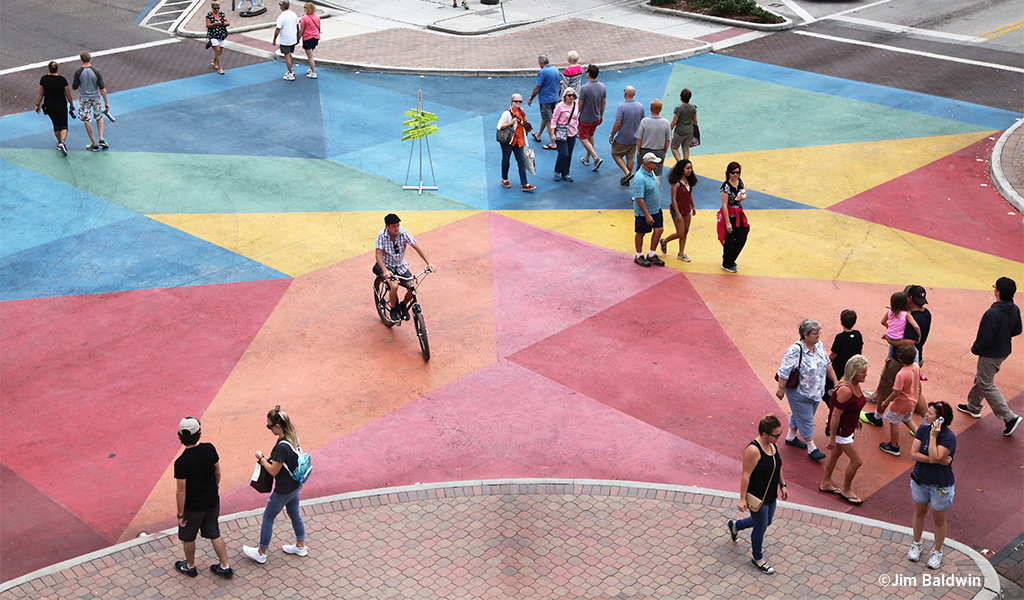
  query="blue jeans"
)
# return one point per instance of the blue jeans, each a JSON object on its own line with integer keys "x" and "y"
{"x": 564, "y": 160}
{"x": 274, "y": 506}
{"x": 760, "y": 521}
{"x": 508, "y": 150}
{"x": 802, "y": 409}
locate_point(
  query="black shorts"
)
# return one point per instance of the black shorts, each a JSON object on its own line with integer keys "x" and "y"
{"x": 58, "y": 115}
{"x": 406, "y": 283}
{"x": 203, "y": 522}
{"x": 286, "y": 50}
{"x": 643, "y": 227}
{"x": 310, "y": 44}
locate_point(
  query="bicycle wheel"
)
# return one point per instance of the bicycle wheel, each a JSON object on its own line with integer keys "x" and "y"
{"x": 421, "y": 330}
{"x": 380, "y": 298}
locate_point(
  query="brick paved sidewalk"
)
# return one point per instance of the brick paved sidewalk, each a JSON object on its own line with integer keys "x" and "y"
{"x": 531, "y": 539}
{"x": 1008, "y": 156}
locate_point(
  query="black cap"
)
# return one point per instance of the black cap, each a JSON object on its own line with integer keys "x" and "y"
{"x": 917, "y": 294}
{"x": 391, "y": 219}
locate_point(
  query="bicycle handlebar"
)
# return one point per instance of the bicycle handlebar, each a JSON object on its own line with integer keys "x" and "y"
{"x": 416, "y": 277}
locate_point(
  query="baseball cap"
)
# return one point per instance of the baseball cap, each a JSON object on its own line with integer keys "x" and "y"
{"x": 391, "y": 219}
{"x": 189, "y": 425}
{"x": 917, "y": 294}
{"x": 651, "y": 157}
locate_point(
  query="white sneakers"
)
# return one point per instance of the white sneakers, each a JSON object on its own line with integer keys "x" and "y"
{"x": 289, "y": 76}
{"x": 311, "y": 74}
{"x": 915, "y": 552}
{"x": 254, "y": 553}
{"x": 915, "y": 555}
{"x": 296, "y": 550}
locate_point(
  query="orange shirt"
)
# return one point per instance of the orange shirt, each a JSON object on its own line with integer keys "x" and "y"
{"x": 908, "y": 382}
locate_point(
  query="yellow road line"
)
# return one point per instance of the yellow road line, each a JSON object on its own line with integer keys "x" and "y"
{"x": 1002, "y": 30}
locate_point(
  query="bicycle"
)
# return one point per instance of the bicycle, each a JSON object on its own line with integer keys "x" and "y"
{"x": 381, "y": 291}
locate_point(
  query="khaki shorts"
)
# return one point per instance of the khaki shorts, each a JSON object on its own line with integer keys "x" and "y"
{"x": 623, "y": 150}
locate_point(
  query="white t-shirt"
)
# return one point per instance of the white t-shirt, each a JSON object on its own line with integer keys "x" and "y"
{"x": 288, "y": 23}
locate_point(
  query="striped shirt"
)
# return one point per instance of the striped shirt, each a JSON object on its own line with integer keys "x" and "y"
{"x": 393, "y": 251}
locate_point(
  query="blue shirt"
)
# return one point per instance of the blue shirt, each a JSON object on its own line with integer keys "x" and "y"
{"x": 630, "y": 113}
{"x": 931, "y": 473}
{"x": 645, "y": 186}
{"x": 548, "y": 79}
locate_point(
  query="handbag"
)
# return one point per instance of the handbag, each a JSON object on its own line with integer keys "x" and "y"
{"x": 794, "y": 376}
{"x": 506, "y": 134}
{"x": 753, "y": 502}
{"x": 562, "y": 131}
{"x": 531, "y": 158}
{"x": 262, "y": 481}
{"x": 696, "y": 136}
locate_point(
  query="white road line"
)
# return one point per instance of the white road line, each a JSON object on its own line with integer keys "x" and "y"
{"x": 894, "y": 28}
{"x": 914, "y": 52}
{"x": 799, "y": 10}
{"x": 858, "y": 8}
{"x": 94, "y": 55}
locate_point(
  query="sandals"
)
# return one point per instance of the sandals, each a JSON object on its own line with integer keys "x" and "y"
{"x": 835, "y": 490}
{"x": 731, "y": 526}
{"x": 536, "y": 137}
{"x": 854, "y": 500}
{"x": 549, "y": 146}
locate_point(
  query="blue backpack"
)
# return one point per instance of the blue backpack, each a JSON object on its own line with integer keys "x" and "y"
{"x": 304, "y": 466}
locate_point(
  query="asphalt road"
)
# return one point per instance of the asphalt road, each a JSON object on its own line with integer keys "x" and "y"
{"x": 42, "y": 30}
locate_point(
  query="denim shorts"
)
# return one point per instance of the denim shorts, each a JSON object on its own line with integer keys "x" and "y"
{"x": 940, "y": 498}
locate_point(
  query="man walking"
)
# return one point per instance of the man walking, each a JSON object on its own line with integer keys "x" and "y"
{"x": 916, "y": 299}
{"x": 547, "y": 89}
{"x": 654, "y": 135}
{"x": 89, "y": 84}
{"x": 647, "y": 211}
{"x": 999, "y": 324}
{"x": 197, "y": 473}
{"x": 623, "y": 141}
{"x": 593, "y": 99}
{"x": 288, "y": 30}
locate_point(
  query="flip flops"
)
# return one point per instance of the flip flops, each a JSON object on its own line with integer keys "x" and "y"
{"x": 549, "y": 146}
{"x": 854, "y": 500}
{"x": 835, "y": 490}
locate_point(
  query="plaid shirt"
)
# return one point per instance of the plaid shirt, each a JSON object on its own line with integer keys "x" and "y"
{"x": 393, "y": 251}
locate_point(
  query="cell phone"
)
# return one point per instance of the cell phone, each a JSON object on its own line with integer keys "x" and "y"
{"x": 940, "y": 420}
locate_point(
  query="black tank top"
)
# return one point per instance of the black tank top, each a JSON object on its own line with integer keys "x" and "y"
{"x": 765, "y": 476}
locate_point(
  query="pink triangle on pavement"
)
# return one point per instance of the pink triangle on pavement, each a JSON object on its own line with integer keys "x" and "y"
{"x": 102, "y": 380}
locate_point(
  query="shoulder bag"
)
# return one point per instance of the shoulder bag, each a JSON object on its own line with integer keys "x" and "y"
{"x": 529, "y": 155}
{"x": 696, "y": 136}
{"x": 794, "y": 376}
{"x": 505, "y": 135}
{"x": 262, "y": 481}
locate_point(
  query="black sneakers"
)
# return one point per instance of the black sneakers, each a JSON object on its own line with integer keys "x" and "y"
{"x": 889, "y": 448}
{"x": 181, "y": 566}
{"x": 226, "y": 573}
{"x": 1011, "y": 425}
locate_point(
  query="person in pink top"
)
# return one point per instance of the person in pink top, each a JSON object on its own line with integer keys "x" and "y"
{"x": 902, "y": 400}
{"x": 309, "y": 28}
{"x": 898, "y": 317}
{"x": 564, "y": 129}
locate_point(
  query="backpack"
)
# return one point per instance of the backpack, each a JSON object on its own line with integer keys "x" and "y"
{"x": 303, "y": 467}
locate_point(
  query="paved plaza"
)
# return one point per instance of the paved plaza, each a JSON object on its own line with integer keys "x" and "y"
{"x": 215, "y": 261}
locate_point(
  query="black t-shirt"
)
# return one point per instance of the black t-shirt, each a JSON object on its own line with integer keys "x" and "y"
{"x": 846, "y": 345}
{"x": 283, "y": 453}
{"x": 53, "y": 90}
{"x": 195, "y": 466}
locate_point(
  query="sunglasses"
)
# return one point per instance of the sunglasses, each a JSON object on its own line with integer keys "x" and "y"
{"x": 570, "y": 95}
{"x": 271, "y": 425}
{"x": 517, "y": 102}
{"x": 734, "y": 172}
{"x": 396, "y": 247}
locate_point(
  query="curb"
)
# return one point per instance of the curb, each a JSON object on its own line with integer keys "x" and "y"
{"x": 704, "y": 48}
{"x": 786, "y": 24}
{"x": 996, "y": 166}
{"x": 485, "y": 30}
{"x": 990, "y": 590}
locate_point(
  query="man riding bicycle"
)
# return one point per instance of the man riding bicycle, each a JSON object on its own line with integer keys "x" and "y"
{"x": 390, "y": 251}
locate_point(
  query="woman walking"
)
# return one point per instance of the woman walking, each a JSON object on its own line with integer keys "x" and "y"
{"x": 54, "y": 98}
{"x": 514, "y": 118}
{"x": 284, "y": 459}
{"x": 807, "y": 356}
{"x": 846, "y": 406}
{"x": 563, "y": 129}
{"x": 217, "y": 31}
{"x": 732, "y": 221}
{"x": 682, "y": 179}
{"x": 931, "y": 483}
{"x": 309, "y": 28}
{"x": 760, "y": 486}
{"x": 684, "y": 118}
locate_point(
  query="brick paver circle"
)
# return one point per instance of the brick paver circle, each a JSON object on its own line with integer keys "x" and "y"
{"x": 529, "y": 539}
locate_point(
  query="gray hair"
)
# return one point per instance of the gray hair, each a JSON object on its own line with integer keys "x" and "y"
{"x": 543, "y": 59}
{"x": 573, "y": 56}
{"x": 807, "y": 326}
{"x": 516, "y": 96}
